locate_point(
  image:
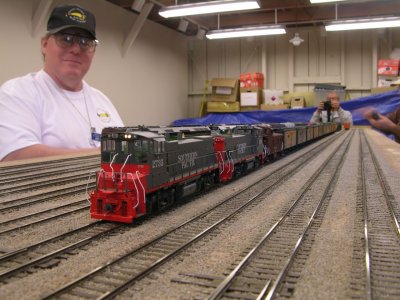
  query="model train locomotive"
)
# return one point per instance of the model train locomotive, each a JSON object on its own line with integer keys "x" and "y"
{"x": 147, "y": 169}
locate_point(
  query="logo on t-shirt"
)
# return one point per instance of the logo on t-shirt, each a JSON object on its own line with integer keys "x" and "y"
{"x": 103, "y": 115}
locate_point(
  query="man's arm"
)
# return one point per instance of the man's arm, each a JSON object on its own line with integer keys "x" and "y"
{"x": 345, "y": 116}
{"x": 386, "y": 125}
{"x": 43, "y": 151}
{"x": 381, "y": 122}
{"x": 316, "y": 117}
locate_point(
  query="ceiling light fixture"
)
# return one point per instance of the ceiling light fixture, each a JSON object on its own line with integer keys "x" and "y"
{"x": 183, "y": 25}
{"x": 297, "y": 40}
{"x": 363, "y": 24}
{"x": 247, "y": 31}
{"x": 200, "y": 33}
{"x": 207, "y": 8}
{"x": 324, "y": 1}
{"x": 137, "y": 5}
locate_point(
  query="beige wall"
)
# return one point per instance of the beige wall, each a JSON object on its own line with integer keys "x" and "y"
{"x": 162, "y": 76}
{"x": 148, "y": 84}
{"x": 347, "y": 58}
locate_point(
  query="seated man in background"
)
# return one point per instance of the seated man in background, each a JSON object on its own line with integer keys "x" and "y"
{"x": 54, "y": 111}
{"x": 330, "y": 111}
{"x": 389, "y": 124}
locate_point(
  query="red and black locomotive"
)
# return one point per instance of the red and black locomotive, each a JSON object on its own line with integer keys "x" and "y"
{"x": 147, "y": 169}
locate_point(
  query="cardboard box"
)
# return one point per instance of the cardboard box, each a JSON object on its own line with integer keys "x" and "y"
{"x": 309, "y": 98}
{"x": 273, "y": 107}
{"x": 386, "y": 80}
{"x": 380, "y": 90}
{"x": 297, "y": 102}
{"x": 252, "y": 80}
{"x": 224, "y": 89}
{"x": 220, "y": 106}
{"x": 273, "y": 97}
{"x": 250, "y": 96}
{"x": 389, "y": 67}
{"x": 249, "y": 108}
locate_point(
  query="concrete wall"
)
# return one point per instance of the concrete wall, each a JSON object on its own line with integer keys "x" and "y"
{"x": 148, "y": 84}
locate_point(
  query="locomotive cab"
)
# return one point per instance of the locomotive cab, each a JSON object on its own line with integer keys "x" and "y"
{"x": 121, "y": 183}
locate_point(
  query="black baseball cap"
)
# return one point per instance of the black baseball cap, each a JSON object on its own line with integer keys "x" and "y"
{"x": 71, "y": 16}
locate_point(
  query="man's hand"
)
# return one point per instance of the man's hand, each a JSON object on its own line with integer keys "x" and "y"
{"x": 320, "y": 106}
{"x": 378, "y": 121}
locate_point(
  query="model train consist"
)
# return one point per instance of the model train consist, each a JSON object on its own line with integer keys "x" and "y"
{"x": 147, "y": 169}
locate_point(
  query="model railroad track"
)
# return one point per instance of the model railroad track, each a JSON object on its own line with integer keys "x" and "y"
{"x": 48, "y": 253}
{"x": 65, "y": 179}
{"x": 114, "y": 277}
{"x": 268, "y": 268}
{"x": 44, "y": 259}
{"x": 16, "y": 170}
{"x": 57, "y": 193}
{"x": 43, "y": 216}
{"x": 43, "y": 173}
{"x": 377, "y": 259}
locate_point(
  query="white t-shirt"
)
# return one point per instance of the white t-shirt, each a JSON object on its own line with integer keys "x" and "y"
{"x": 340, "y": 116}
{"x": 34, "y": 110}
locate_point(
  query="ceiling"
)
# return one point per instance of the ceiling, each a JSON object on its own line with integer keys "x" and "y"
{"x": 292, "y": 13}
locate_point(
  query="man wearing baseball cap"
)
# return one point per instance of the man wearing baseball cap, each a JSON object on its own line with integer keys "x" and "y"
{"x": 54, "y": 111}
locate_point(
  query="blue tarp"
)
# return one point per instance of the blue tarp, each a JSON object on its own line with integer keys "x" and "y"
{"x": 383, "y": 103}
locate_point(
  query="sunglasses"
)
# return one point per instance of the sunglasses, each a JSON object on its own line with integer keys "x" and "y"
{"x": 66, "y": 40}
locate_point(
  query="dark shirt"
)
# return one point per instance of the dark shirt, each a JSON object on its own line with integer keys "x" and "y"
{"x": 395, "y": 118}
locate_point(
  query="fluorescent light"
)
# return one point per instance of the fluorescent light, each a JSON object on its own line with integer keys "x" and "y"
{"x": 325, "y": 1}
{"x": 363, "y": 24}
{"x": 207, "y": 8}
{"x": 247, "y": 31}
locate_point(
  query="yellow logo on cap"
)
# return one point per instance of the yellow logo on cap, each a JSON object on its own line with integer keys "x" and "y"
{"x": 76, "y": 14}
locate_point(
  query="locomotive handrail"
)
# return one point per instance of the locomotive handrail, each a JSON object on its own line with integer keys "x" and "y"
{"x": 112, "y": 169}
{"x": 101, "y": 173}
{"x": 144, "y": 191}
{"x": 265, "y": 151}
{"x": 123, "y": 166}
{"x": 137, "y": 191}
{"x": 230, "y": 158}
{"x": 222, "y": 159}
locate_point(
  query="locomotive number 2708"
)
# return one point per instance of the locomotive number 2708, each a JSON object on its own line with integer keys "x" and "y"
{"x": 157, "y": 163}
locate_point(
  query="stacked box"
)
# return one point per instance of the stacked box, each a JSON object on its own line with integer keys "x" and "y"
{"x": 297, "y": 102}
{"x": 251, "y": 96}
{"x": 388, "y": 67}
{"x": 219, "y": 106}
{"x": 384, "y": 89}
{"x": 386, "y": 80}
{"x": 388, "y": 70}
{"x": 252, "y": 80}
{"x": 273, "y": 107}
{"x": 273, "y": 97}
{"x": 224, "y": 89}
{"x": 249, "y": 108}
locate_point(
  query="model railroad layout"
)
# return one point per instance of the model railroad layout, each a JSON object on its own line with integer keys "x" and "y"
{"x": 317, "y": 223}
